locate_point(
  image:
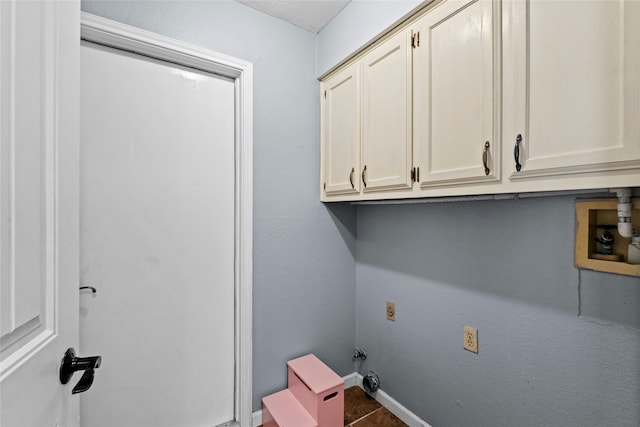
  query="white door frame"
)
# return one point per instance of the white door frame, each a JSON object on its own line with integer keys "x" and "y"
{"x": 113, "y": 34}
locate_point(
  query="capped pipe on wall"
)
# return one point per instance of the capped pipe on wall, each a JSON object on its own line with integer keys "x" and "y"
{"x": 371, "y": 382}
{"x": 360, "y": 354}
{"x": 625, "y": 228}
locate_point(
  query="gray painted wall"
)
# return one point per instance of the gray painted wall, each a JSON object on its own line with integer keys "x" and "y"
{"x": 557, "y": 346}
{"x": 304, "y": 268}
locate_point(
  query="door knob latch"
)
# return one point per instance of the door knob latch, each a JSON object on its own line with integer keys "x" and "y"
{"x": 70, "y": 364}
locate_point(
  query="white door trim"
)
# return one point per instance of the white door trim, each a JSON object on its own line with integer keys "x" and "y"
{"x": 113, "y": 34}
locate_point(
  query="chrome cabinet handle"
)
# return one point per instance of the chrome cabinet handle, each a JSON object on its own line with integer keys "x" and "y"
{"x": 351, "y": 178}
{"x": 485, "y": 158}
{"x": 516, "y": 152}
{"x": 364, "y": 181}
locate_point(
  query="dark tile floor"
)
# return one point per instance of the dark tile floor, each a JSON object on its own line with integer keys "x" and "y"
{"x": 362, "y": 410}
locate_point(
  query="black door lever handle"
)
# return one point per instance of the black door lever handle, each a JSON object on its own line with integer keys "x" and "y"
{"x": 70, "y": 364}
{"x": 85, "y": 382}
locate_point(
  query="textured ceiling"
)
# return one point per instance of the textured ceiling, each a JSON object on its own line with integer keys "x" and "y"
{"x": 312, "y": 15}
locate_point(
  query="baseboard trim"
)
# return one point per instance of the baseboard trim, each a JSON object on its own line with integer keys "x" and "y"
{"x": 396, "y": 407}
{"x": 257, "y": 418}
{"x": 352, "y": 379}
{"x": 383, "y": 398}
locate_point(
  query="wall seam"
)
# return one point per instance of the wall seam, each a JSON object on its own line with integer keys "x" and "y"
{"x": 579, "y": 292}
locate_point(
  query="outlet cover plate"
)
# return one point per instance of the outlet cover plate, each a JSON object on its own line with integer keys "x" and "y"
{"x": 470, "y": 339}
{"x": 391, "y": 311}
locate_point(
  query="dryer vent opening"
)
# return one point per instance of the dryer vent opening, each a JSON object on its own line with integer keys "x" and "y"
{"x": 371, "y": 382}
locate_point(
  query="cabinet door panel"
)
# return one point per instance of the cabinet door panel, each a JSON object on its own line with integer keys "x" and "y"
{"x": 341, "y": 133}
{"x": 456, "y": 94}
{"x": 576, "y": 86}
{"x": 386, "y": 148}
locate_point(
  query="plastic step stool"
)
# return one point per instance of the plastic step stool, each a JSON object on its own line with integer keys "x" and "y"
{"x": 319, "y": 390}
{"x": 282, "y": 409}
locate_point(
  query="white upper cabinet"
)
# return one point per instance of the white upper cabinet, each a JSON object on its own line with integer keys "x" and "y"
{"x": 573, "y": 88}
{"x": 386, "y": 118}
{"x": 471, "y": 97}
{"x": 456, "y": 117}
{"x": 341, "y": 132}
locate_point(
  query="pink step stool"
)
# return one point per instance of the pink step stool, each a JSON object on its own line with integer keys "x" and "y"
{"x": 318, "y": 389}
{"x": 282, "y": 409}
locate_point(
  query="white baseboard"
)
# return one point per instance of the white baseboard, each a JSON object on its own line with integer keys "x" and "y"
{"x": 383, "y": 398}
{"x": 257, "y": 418}
{"x": 395, "y": 407}
{"x": 352, "y": 379}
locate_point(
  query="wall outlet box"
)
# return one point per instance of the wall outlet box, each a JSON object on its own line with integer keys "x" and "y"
{"x": 470, "y": 339}
{"x": 391, "y": 311}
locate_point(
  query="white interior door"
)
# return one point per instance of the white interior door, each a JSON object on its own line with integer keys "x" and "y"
{"x": 157, "y": 241}
{"x": 38, "y": 210}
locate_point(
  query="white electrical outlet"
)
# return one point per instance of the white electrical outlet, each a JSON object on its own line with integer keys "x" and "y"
{"x": 391, "y": 311}
{"x": 470, "y": 339}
